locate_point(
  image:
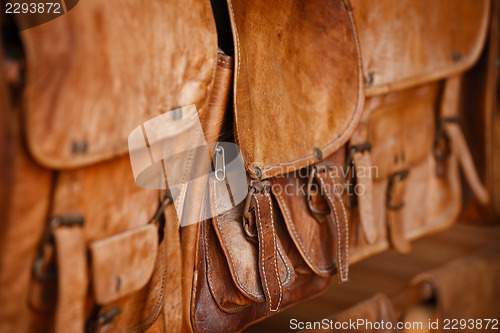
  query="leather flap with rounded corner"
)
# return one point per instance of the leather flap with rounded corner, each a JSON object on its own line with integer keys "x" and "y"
{"x": 298, "y": 91}
{"x": 405, "y": 42}
{"x": 87, "y": 86}
{"x": 123, "y": 263}
{"x": 241, "y": 254}
{"x": 311, "y": 234}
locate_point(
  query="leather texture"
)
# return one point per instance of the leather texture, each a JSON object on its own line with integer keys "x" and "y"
{"x": 311, "y": 234}
{"x": 284, "y": 90}
{"x": 375, "y": 310}
{"x": 87, "y": 132}
{"x": 467, "y": 287}
{"x": 72, "y": 279}
{"x": 425, "y": 44}
{"x": 123, "y": 263}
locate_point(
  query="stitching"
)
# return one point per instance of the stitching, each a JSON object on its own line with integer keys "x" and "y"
{"x": 209, "y": 276}
{"x": 262, "y": 255}
{"x": 258, "y": 296}
{"x": 223, "y": 62}
{"x": 330, "y": 200}
{"x": 291, "y": 226}
{"x": 275, "y": 249}
{"x": 346, "y": 229}
{"x": 289, "y": 272}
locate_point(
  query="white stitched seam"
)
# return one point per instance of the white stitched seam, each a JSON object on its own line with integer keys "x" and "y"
{"x": 275, "y": 249}
{"x": 262, "y": 255}
{"x": 339, "y": 255}
{"x": 292, "y": 227}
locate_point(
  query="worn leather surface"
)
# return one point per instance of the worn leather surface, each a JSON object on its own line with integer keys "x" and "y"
{"x": 72, "y": 278}
{"x": 431, "y": 203}
{"x": 123, "y": 263}
{"x": 150, "y": 71}
{"x": 208, "y": 317}
{"x": 337, "y": 220}
{"x": 141, "y": 309}
{"x": 289, "y": 98}
{"x": 313, "y": 238}
{"x": 242, "y": 255}
{"x": 407, "y": 43}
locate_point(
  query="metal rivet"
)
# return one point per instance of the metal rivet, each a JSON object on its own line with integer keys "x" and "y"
{"x": 457, "y": 56}
{"x": 79, "y": 147}
{"x": 118, "y": 283}
{"x": 317, "y": 153}
{"x": 258, "y": 172}
{"x": 369, "y": 79}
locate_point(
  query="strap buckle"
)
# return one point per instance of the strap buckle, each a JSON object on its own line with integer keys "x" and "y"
{"x": 40, "y": 270}
{"x": 396, "y": 178}
{"x": 323, "y": 166}
{"x": 256, "y": 186}
{"x": 349, "y": 168}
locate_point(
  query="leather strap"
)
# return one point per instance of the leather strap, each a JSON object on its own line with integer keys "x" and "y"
{"x": 72, "y": 277}
{"x": 395, "y": 204}
{"x": 268, "y": 250}
{"x": 172, "y": 306}
{"x": 449, "y": 110}
{"x": 362, "y": 163}
{"x": 337, "y": 218}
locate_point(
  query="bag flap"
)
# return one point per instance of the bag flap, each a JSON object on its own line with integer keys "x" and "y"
{"x": 298, "y": 83}
{"x": 99, "y": 71}
{"x": 242, "y": 254}
{"x": 313, "y": 236}
{"x": 406, "y": 42}
{"x": 123, "y": 263}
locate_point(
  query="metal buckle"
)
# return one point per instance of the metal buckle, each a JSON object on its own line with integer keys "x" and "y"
{"x": 319, "y": 167}
{"x": 396, "y": 178}
{"x": 256, "y": 186}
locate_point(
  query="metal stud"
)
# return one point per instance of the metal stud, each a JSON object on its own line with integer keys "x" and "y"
{"x": 258, "y": 172}
{"x": 318, "y": 154}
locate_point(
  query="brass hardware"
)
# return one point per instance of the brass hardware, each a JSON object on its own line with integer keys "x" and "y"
{"x": 255, "y": 187}
{"x": 318, "y": 154}
{"x": 40, "y": 270}
{"x": 396, "y": 178}
{"x": 320, "y": 167}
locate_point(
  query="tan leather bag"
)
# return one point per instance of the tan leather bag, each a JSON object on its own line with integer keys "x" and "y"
{"x": 411, "y": 130}
{"x": 82, "y": 246}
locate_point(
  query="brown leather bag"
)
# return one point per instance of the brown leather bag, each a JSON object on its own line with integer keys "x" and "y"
{"x": 411, "y": 131}
{"x": 293, "y": 106}
{"x": 82, "y": 246}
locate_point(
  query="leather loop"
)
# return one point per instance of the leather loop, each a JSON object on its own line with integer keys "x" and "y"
{"x": 395, "y": 204}
{"x": 361, "y": 157}
{"x": 449, "y": 109}
{"x": 268, "y": 250}
{"x": 72, "y": 279}
{"x": 338, "y": 222}
{"x": 461, "y": 150}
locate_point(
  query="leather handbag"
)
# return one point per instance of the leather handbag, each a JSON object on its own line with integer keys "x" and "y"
{"x": 293, "y": 107}
{"x": 82, "y": 246}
